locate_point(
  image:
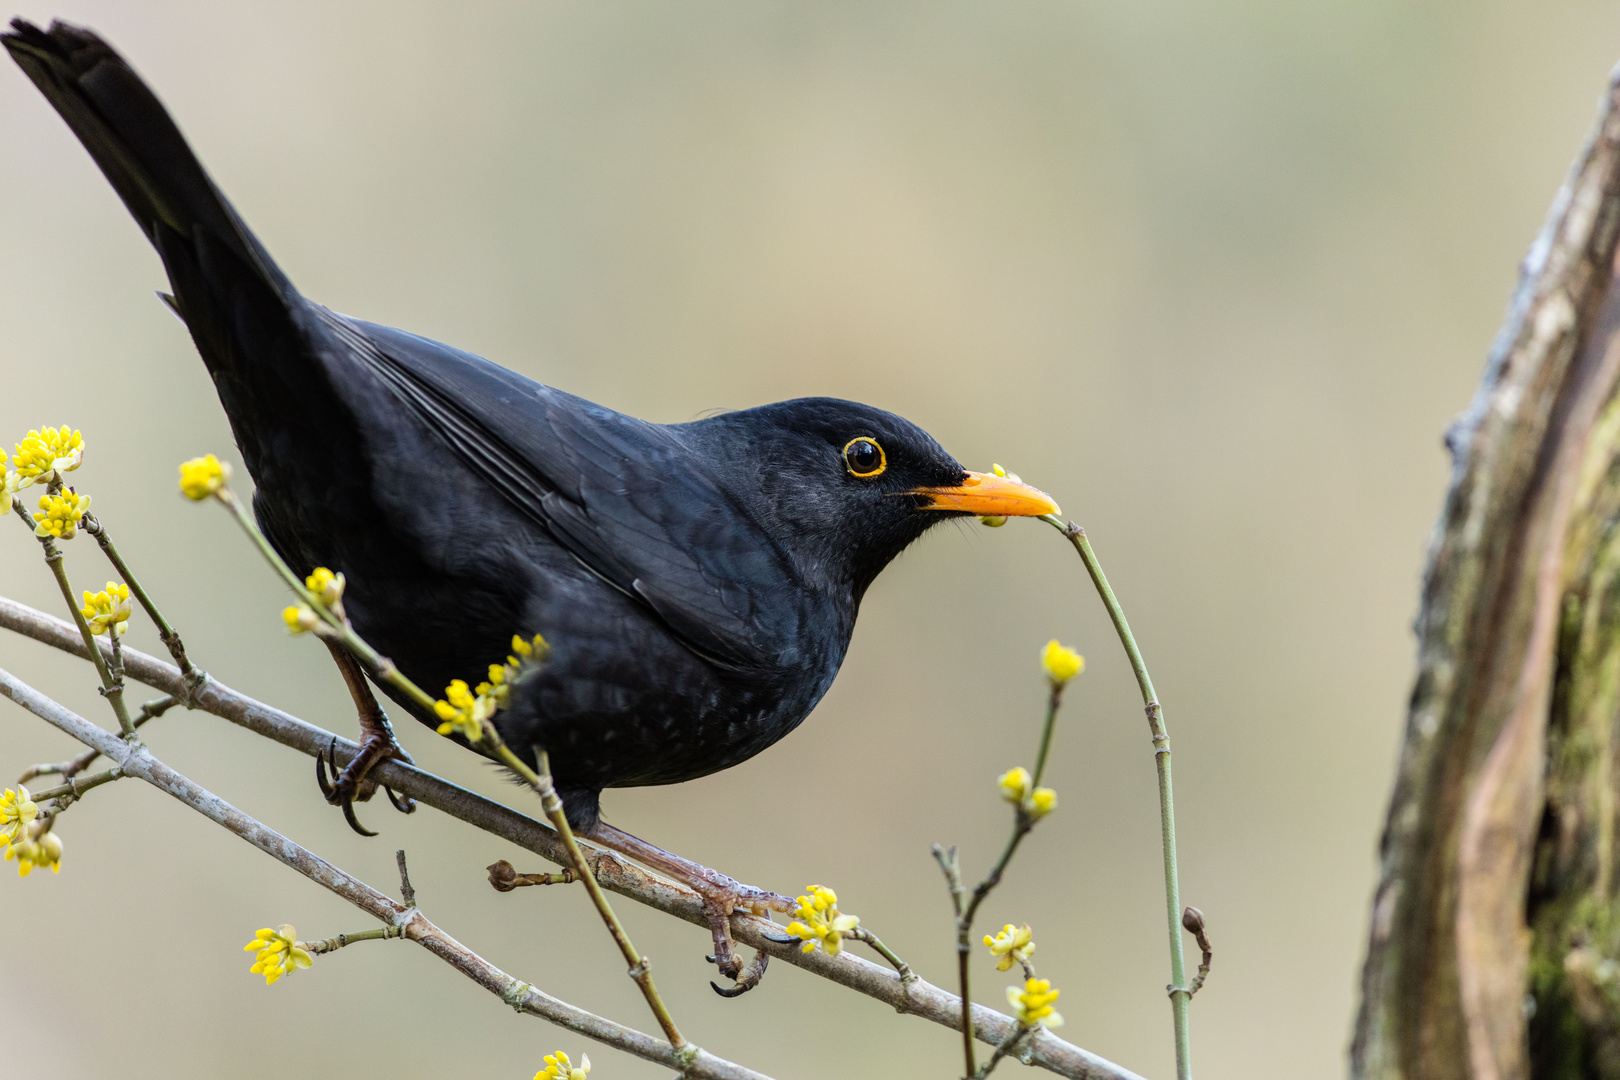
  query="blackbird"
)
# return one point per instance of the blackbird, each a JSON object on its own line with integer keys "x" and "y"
{"x": 697, "y": 582}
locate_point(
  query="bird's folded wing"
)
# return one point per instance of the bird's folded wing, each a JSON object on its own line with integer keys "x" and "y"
{"x": 619, "y": 493}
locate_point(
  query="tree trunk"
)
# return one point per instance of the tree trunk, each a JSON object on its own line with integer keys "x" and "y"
{"x": 1494, "y": 948}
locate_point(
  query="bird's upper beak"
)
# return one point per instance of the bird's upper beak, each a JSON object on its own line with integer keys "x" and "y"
{"x": 989, "y": 496}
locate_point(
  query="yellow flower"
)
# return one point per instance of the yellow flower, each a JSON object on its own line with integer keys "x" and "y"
{"x": 203, "y": 476}
{"x": 527, "y": 652}
{"x": 326, "y": 585}
{"x": 465, "y": 710}
{"x": 1061, "y": 664}
{"x": 1033, "y": 1004}
{"x": 44, "y": 455}
{"x": 279, "y": 953}
{"x": 1041, "y": 802}
{"x": 109, "y": 608}
{"x": 822, "y": 920}
{"x": 558, "y": 1067}
{"x": 17, "y": 812}
{"x": 59, "y": 515}
{"x": 1015, "y": 784}
{"x": 32, "y": 851}
{"x": 13, "y": 484}
{"x": 299, "y": 619}
{"x": 1014, "y": 945}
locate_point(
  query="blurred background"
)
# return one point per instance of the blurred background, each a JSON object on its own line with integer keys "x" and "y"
{"x": 1217, "y": 279}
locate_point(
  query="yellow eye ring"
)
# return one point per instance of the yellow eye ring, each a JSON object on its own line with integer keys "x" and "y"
{"x": 857, "y": 458}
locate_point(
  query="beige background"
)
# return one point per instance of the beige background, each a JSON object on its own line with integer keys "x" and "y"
{"x": 1217, "y": 279}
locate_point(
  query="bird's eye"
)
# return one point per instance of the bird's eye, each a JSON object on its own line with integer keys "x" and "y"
{"x": 864, "y": 458}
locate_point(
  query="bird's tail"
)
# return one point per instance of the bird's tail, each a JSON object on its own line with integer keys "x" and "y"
{"x": 132, "y": 137}
{"x": 251, "y": 326}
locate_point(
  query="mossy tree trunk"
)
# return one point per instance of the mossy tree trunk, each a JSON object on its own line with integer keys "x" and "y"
{"x": 1494, "y": 949}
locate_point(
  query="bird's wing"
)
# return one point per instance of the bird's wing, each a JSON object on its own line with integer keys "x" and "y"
{"x": 621, "y": 494}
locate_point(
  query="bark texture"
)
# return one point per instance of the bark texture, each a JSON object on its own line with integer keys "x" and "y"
{"x": 1492, "y": 953}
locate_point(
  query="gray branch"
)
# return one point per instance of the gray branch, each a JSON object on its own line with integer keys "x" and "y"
{"x": 137, "y": 761}
{"x": 917, "y": 997}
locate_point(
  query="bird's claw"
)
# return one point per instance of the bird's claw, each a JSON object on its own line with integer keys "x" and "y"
{"x": 720, "y": 899}
{"x": 353, "y": 784}
{"x": 749, "y": 979}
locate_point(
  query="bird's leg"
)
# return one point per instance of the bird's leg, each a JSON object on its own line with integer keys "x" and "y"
{"x": 721, "y": 896}
{"x": 377, "y": 743}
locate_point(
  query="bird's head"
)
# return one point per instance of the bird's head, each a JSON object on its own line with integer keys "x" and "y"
{"x": 845, "y": 487}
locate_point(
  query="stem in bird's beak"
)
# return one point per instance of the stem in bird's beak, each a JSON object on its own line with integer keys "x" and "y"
{"x": 1180, "y": 992}
{"x": 989, "y": 496}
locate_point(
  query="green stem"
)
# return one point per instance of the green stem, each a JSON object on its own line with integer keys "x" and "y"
{"x": 170, "y": 638}
{"x": 74, "y": 788}
{"x": 335, "y": 624}
{"x": 333, "y": 944}
{"x": 1052, "y": 703}
{"x": 640, "y": 966}
{"x": 111, "y": 689}
{"x": 1180, "y": 995}
{"x": 901, "y": 968}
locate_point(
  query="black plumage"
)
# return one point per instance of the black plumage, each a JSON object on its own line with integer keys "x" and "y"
{"x": 698, "y": 582}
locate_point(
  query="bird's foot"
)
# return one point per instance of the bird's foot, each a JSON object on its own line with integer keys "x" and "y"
{"x": 721, "y": 897}
{"x": 354, "y": 783}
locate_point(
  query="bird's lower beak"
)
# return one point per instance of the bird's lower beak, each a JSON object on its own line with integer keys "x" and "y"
{"x": 990, "y": 496}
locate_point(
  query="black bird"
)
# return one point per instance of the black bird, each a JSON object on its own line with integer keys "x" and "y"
{"x": 697, "y": 582}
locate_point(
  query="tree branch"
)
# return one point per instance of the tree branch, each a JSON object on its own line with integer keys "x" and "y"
{"x": 916, "y": 997}
{"x": 137, "y": 761}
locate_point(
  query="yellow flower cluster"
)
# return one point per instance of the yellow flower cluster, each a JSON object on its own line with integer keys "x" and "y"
{"x": 1014, "y": 945}
{"x": 558, "y": 1067}
{"x": 464, "y": 708}
{"x": 461, "y": 711}
{"x": 300, "y": 618}
{"x": 202, "y": 477}
{"x": 1061, "y": 664}
{"x": 108, "y": 608}
{"x": 1033, "y": 1004}
{"x": 326, "y": 585}
{"x": 45, "y": 454}
{"x": 17, "y": 812}
{"x": 59, "y": 515}
{"x": 1016, "y": 785}
{"x": 822, "y": 920}
{"x": 31, "y": 851}
{"x": 278, "y": 953}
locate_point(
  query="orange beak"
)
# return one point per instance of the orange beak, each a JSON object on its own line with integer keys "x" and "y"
{"x": 990, "y": 496}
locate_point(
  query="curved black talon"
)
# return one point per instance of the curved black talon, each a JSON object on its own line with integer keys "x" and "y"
{"x": 403, "y": 803}
{"x": 749, "y": 978}
{"x": 329, "y": 788}
{"x": 321, "y": 780}
{"x": 354, "y": 822}
{"x": 789, "y": 940}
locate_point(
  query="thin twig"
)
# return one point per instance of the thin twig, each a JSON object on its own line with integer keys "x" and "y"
{"x": 333, "y": 944}
{"x": 640, "y": 966}
{"x": 137, "y": 761}
{"x": 53, "y": 559}
{"x": 1180, "y": 993}
{"x": 406, "y": 892}
{"x": 918, "y": 998}
{"x": 901, "y": 968}
{"x": 503, "y": 876}
{"x": 1193, "y": 920}
{"x": 171, "y": 639}
{"x": 73, "y": 766}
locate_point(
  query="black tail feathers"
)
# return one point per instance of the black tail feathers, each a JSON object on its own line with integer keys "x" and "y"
{"x": 136, "y": 143}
